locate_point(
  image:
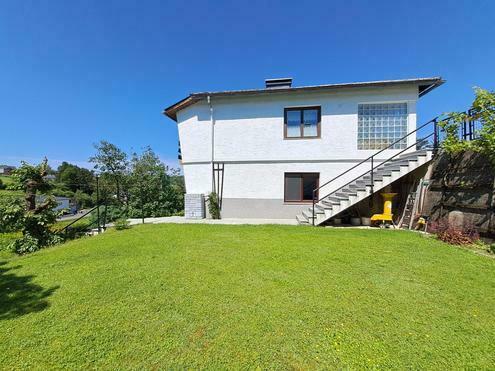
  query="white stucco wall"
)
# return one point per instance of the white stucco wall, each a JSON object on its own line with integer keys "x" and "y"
{"x": 249, "y": 138}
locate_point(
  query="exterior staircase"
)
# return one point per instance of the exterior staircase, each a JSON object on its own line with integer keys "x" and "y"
{"x": 363, "y": 187}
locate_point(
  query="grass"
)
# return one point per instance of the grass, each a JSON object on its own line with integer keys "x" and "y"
{"x": 213, "y": 296}
{"x": 7, "y": 238}
{"x": 6, "y": 179}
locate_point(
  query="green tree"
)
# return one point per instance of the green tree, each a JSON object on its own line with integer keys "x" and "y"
{"x": 482, "y": 110}
{"x": 75, "y": 178}
{"x": 35, "y": 218}
{"x": 152, "y": 191}
{"x": 112, "y": 162}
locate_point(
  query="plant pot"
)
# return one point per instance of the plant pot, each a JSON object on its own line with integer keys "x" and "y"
{"x": 355, "y": 221}
{"x": 337, "y": 221}
{"x": 366, "y": 221}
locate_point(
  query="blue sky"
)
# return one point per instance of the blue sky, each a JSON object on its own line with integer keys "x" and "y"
{"x": 75, "y": 72}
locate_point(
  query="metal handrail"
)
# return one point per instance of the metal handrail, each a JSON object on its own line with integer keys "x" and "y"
{"x": 65, "y": 229}
{"x": 372, "y": 158}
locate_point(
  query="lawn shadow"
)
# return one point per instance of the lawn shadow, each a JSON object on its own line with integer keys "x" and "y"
{"x": 19, "y": 295}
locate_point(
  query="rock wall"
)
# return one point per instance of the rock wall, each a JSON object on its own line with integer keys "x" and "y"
{"x": 462, "y": 189}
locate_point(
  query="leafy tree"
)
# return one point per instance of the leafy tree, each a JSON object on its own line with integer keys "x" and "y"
{"x": 152, "y": 191}
{"x": 31, "y": 179}
{"x": 75, "y": 178}
{"x": 483, "y": 110}
{"x": 34, "y": 218}
{"x": 112, "y": 162}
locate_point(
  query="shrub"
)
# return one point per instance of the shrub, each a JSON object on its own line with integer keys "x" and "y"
{"x": 121, "y": 224}
{"x": 11, "y": 214}
{"x": 454, "y": 235}
{"x": 213, "y": 205}
{"x": 2, "y": 186}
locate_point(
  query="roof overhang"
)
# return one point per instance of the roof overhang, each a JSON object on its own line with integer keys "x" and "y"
{"x": 425, "y": 85}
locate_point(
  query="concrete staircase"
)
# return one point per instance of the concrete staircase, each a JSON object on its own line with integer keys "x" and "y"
{"x": 360, "y": 189}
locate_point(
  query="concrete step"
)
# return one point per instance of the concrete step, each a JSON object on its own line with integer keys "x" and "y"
{"x": 301, "y": 219}
{"x": 354, "y": 192}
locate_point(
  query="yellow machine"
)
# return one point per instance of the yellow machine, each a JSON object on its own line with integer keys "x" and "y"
{"x": 387, "y": 209}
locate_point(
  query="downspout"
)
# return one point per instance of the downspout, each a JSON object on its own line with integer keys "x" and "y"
{"x": 208, "y": 98}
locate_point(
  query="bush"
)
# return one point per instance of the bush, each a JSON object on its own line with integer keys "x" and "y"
{"x": 29, "y": 243}
{"x": 454, "y": 235}
{"x": 213, "y": 205}
{"x": 121, "y": 224}
{"x": 11, "y": 214}
{"x": 6, "y": 240}
{"x": 2, "y": 186}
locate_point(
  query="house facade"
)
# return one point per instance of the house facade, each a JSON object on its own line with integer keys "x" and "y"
{"x": 265, "y": 150}
{"x": 6, "y": 170}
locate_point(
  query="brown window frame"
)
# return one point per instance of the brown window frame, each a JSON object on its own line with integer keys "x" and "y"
{"x": 301, "y": 125}
{"x": 302, "y": 187}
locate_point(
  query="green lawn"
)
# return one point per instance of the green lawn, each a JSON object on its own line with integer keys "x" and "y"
{"x": 190, "y": 296}
{"x": 6, "y": 179}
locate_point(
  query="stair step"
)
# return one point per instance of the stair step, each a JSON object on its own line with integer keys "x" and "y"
{"x": 301, "y": 219}
{"x": 354, "y": 192}
{"x": 308, "y": 214}
{"x": 345, "y": 195}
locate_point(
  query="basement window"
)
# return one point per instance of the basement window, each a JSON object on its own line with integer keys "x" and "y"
{"x": 302, "y": 122}
{"x": 299, "y": 186}
{"x": 379, "y": 125}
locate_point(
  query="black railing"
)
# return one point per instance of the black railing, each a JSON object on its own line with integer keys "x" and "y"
{"x": 65, "y": 230}
{"x": 372, "y": 159}
{"x": 468, "y": 131}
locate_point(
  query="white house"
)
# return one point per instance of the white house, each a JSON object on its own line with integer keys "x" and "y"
{"x": 264, "y": 151}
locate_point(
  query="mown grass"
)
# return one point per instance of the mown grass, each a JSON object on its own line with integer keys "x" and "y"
{"x": 6, "y": 179}
{"x": 213, "y": 296}
{"x": 7, "y": 238}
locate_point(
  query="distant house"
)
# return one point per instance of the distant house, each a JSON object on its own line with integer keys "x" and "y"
{"x": 63, "y": 204}
{"x": 6, "y": 170}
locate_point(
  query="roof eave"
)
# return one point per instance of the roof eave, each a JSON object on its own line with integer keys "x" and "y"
{"x": 425, "y": 85}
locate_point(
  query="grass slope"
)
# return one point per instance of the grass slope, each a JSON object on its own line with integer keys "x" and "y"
{"x": 245, "y": 296}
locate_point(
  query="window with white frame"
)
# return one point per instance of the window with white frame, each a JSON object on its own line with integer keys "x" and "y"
{"x": 379, "y": 125}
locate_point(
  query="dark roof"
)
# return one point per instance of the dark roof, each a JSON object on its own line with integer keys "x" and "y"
{"x": 425, "y": 85}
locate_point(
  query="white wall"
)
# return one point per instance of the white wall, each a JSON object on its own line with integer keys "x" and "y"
{"x": 249, "y": 137}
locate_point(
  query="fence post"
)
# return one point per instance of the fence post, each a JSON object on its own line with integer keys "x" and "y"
{"x": 98, "y": 203}
{"x": 435, "y": 134}
{"x": 314, "y": 192}
{"x": 372, "y": 176}
{"x": 142, "y": 203}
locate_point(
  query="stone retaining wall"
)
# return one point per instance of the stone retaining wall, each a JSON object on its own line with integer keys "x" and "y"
{"x": 462, "y": 190}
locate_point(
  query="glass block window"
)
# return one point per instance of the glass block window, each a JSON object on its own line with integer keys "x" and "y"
{"x": 379, "y": 125}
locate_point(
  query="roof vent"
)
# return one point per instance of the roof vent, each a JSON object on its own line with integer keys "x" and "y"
{"x": 280, "y": 83}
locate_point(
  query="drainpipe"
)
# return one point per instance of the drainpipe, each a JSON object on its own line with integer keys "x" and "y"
{"x": 212, "y": 143}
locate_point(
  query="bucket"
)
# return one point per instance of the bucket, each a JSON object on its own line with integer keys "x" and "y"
{"x": 355, "y": 221}
{"x": 366, "y": 221}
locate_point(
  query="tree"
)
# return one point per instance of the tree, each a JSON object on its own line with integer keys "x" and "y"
{"x": 35, "y": 218}
{"x": 483, "y": 111}
{"x": 152, "y": 191}
{"x": 75, "y": 178}
{"x": 31, "y": 179}
{"x": 112, "y": 162}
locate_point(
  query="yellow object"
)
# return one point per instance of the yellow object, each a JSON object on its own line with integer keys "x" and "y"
{"x": 387, "y": 209}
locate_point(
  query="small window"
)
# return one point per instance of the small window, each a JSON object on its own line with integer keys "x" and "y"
{"x": 302, "y": 122}
{"x": 299, "y": 186}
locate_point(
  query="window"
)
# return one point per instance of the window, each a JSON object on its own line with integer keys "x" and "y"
{"x": 379, "y": 125}
{"x": 302, "y": 122}
{"x": 299, "y": 186}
